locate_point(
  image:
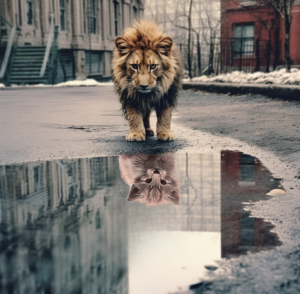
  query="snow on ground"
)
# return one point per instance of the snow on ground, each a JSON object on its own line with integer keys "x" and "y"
{"x": 237, "y": 77}
{"x": 2, "y": 86}
{"x": 84, "y": 83}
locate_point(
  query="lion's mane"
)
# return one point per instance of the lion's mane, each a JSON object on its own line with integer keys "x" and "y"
{"x": 146, "y": 35}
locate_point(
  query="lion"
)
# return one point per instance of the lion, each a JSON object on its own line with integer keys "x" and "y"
{"x": 147, "y": 74}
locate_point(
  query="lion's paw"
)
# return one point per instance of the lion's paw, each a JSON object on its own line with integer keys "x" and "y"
{"x": 135, "y": 137}
{"x": 149, "y": 132}
{"x": 165, "y": 136}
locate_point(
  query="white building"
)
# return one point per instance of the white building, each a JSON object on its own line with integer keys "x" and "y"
{"x": 86, "y": 31}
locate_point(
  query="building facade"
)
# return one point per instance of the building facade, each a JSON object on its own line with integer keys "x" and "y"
{"x": 86, "y": 30}
{"x": 259, "y": 34}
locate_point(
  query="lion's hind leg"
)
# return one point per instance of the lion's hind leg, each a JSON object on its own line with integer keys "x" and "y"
{"x": 136, "y": 125}
{"x": 146, "y": 120}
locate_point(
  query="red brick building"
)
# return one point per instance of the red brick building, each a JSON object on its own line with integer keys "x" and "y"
{"x": 251, "y": 25}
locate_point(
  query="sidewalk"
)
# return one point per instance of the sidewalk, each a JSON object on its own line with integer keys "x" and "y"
{"x": 286, "y": 92}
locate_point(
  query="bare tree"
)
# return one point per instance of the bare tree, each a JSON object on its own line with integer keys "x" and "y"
{"x": 181, "y": 20}
{"x": 189, "y": 17}
{"x": 180, "y": 12}
{"x": 284, "y": 8}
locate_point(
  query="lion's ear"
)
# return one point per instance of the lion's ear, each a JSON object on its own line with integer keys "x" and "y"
{"x": 165, "y": 45}
{"x": 122, "y": 45}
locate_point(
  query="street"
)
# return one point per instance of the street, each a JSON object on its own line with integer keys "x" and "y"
{"x": 58, "y": 123}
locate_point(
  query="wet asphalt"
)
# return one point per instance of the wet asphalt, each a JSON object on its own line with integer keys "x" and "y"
{"x": 51, "y": 123}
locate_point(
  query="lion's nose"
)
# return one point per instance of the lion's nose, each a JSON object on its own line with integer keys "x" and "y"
{"x": 144, "y": 87}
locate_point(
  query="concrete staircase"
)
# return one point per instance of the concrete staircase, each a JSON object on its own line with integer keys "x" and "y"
{"x": 26, "y": 66}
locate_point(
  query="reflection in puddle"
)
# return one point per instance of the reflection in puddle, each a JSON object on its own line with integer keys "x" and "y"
{"x": 66, "y": 225}
{"x": 152, "y": 178}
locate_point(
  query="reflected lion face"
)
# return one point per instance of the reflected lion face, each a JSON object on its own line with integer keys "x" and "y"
{"x": 152, "y": 178}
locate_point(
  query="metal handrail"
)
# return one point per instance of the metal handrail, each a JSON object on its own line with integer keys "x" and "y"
{"x": 49, "y": 44}
{"x": 9, "y": 23}
{"x": 8, "y": 47}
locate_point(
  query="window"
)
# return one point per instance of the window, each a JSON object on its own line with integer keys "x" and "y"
{"x": 116, "y": 6}
{"x": 30, "y": 12}
{"x": 62, "y": 15}
{"x": 94, "y": 62}
{"x": 247, "y": 171}
{"x": 243, "y": 39}
{"x": 93, "y": 19}
{"x": 135, "y": 12}
{"x": 36, "y": 178}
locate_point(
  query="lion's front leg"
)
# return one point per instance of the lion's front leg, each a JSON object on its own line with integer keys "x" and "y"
{"x": 164, "y": 125}
{"x": 149, "y": 131}
{"x": 136, "y": 125}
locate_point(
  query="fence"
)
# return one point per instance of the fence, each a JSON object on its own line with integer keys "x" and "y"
{"x": 242, "y": 54}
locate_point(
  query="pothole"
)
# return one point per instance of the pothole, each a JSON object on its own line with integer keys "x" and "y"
{"x": 68, "y": 224}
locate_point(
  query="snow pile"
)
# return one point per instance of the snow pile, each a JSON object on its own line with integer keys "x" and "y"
{"x": 2, "y": 86}
{"x": 85, "y": 83}
{"x": 237, "y": 77}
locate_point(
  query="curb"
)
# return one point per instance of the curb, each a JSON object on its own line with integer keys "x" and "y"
{"x": 286, "y": 92}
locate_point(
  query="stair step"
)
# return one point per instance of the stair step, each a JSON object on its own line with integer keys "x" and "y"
{"x": 30, "y": 57}
{"x": 35, "y": 62}
{"x": 26, "y": 67}
{"x": 20, "y": 66}
{"x": 27, "y": 72}
{"x": 30, "y": 54}
{"x": 21, "y": 77}
{"x": 31, "y": 48}
{"x": 27, "y": 75}
{"x": 28, "y": 61}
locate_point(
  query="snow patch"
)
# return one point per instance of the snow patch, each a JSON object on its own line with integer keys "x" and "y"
{"x": 237, "y": 77}
{"x": 2, "y": 86}
{"x": 85, "y": 83}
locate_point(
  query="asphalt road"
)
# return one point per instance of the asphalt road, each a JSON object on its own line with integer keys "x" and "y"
{"x": 49, "y": 123}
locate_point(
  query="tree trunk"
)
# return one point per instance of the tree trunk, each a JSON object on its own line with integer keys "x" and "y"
{"x": 199, "y": 55}
{"x": 189, "y": 40}
{"x": 287, "y": 21}
{"x": 269, "y": 50}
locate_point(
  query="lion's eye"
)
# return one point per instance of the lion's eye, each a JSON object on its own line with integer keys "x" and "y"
{"x": 148, "y": 181}
{"x": 153, "y": 66}
{"x": 134, "y": 66}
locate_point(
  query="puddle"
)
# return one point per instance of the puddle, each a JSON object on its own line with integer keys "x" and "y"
{"x": 128, "y": 224}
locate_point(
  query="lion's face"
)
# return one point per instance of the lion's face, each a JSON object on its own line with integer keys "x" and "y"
{"x": 143, "y": 68}
{"x": 143, "y": 61}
